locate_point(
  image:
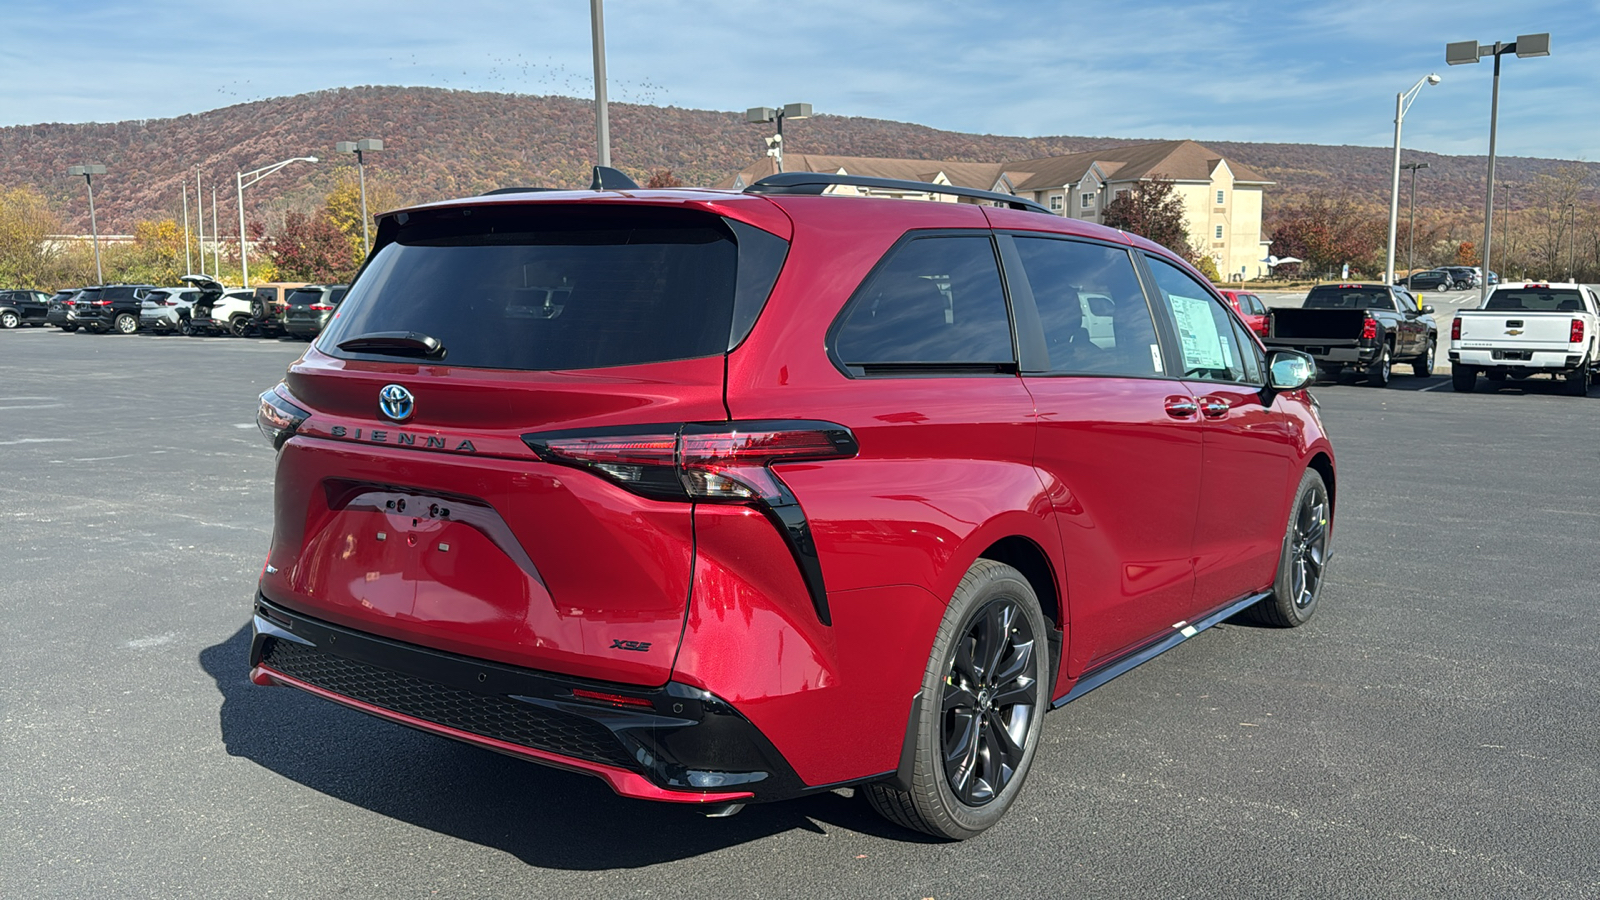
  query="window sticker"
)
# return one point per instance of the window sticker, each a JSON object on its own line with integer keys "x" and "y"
{"x": 1197, "y": 334}
{"x": 1155, "y": 357}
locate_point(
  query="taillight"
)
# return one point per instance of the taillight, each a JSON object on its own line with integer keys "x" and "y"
{"x": 1576, "y": 336}
{"x": 100, "y": 303}
{"x": 719, "y": 462}
{"x": 1455, "y": 330}
{"x": 278, "y": 416}
{"x": 1369, "y": 328}
{"x": 320, "y": 307}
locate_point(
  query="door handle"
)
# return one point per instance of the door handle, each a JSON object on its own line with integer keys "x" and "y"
{"x": 1181, "y": 407}
{"x": 1213, "y": 407}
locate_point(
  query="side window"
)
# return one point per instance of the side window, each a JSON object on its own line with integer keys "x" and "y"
{"x": 1210, "y": 350}
{"x": 1250, "y": 355}
{"x": 935, "y": 300}
{"x": 1091, "y": 308}
{"x": 1256, "y": 307}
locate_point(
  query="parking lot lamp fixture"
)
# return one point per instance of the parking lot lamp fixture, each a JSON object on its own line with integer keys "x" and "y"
{"x": 240, "y": 183}
{"x": 758, "y": 114}
{"x": 1402, "y": 102}
{"x": 1411, "y": 232}
{"x": 359, "y": 147}
{"x": 88, "y": 173}
{"x": 1461, "y": 53}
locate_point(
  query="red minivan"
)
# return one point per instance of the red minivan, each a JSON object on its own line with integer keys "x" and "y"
{"x": 730, "y": 497}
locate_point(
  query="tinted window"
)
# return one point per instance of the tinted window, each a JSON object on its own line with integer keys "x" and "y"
{"x": 1329, "y": 297}
{"x": 302, "y": 297}
{"x": 1533, "y": 299}
{"x": 1091, "y": 308}
{"x": 551, "y": 287}
{"x": 1206, "y": 341}
{"x": 1254, "y": 306}
{"x": 933, "y": 300}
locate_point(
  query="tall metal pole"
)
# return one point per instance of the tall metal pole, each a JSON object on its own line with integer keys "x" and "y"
{"x": 200, "y": 214}
{"x": 188, "y": 261}
{"x": 1394, "y": 189}
{"x": 216, "y": 245}
{"x": 1488, "y": 196}
{"x": 361, "y": 175}
{"x": 1411, "y": 230}
{"x": 244, "y": 261}
{"x": 601, "y": 118}
{"x": 95, "y": 231}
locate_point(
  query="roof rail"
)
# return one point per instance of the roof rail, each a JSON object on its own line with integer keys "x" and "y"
{"x": 516, "y": 190}
{"x": 817, "y": 182}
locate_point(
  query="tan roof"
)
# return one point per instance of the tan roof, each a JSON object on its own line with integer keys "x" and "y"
{"x": 1177, "y": 160}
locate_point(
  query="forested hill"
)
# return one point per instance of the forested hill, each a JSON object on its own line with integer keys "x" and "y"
{"x": 441, "y": 143}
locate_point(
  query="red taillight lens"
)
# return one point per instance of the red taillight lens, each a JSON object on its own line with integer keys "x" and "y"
{"x": 320, "y": 307}
{"x": 1577, "y": 332}
{"x": 1369, "y": 329}
{"x": 611, "y": 699}
{"x": 100, "y": 303}
{"x": 1455, "y": 330}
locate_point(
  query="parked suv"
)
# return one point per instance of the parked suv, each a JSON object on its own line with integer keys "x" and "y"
{"x": 725, "y": 497}
{"x": 61, "y": 304}
{"x": 310, "y": 308}
{"x": 23, "y": 307}
{"x": 109, "y": 306}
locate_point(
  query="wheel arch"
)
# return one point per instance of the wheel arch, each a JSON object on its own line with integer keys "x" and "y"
{"x": 1323, "y": 464}
{"x": 1021, "y": 553}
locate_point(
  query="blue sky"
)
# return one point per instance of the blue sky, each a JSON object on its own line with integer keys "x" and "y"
{"x": 1323, "y": 72}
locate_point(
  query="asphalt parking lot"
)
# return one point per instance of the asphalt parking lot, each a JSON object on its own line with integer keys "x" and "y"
{"x": 1434, "y": 732}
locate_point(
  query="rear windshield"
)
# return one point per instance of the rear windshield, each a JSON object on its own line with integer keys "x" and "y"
{"x": 1535, "y": 299}
{"x": 304, "y": 297}
{"x": 1348, "y": 298}
{"x": 544, "y": 287}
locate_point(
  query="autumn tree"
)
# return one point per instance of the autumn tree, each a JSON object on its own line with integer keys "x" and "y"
{"x": 663, "y": 178}
{"x": 26, "y": 256}
{"x": 1153, "y": 210}
{"x": 343, "y": 206}
{"x": 311, "y": 248}
{"x": 1326, "y": 233}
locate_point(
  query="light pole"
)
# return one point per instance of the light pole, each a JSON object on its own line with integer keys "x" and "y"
{"x": 358, "y": 148}
{"x": 88, "y": 173}
{"x": 200, "y": 218}
{"x": 1411, "y": 230}
{"x": 1402, "y": 102}
{"x": 188, "y": 260}
{"x": 241, "y": 184}
{"x": 758, "y": 114}
{"x": 602, "y": 121}
{"x": 1460, "y": 53}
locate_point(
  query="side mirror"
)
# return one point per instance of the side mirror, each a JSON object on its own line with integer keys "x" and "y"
{"x": 1427, "y": 310}
{"x": 1290, "y": 370}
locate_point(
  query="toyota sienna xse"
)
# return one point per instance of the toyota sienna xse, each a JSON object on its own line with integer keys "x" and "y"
{"x": 731, "y": 497}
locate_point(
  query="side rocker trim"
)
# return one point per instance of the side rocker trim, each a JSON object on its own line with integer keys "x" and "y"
{"x": 1180, "y": 632}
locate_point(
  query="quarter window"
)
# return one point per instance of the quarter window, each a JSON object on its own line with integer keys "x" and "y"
{"x": 1208, "y": 347}
{"x": 934, "y": 300}
{"x": 1091, "y": 308}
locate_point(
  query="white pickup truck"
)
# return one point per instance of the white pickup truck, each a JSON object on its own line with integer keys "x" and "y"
{"x": 1526, "y": 329}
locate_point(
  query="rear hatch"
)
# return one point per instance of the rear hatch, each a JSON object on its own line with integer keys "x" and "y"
{"x": 1527, "y": 317}
{"x": 409, "y": 503}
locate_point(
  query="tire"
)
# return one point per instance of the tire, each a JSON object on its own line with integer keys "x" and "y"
{"x": 1464, "y": 378}
{"x": 238, "y": 325}
{"x": 1577, "y": 383}
{"x": 185, "y": 328}
{"x": 1378, "y": 372}
{"x": 125, "y": 323}
{"x": 993, "y": 704}
{"x": 1330, "y": 373}
{"x": 69, "y": 328}
{"x": 9, "y": 319}
{"x": 1496, "y": 377}
{"x": 1303, "y": 560}
{"x": 1422, "y": 366}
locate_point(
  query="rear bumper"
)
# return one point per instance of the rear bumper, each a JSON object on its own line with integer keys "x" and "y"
{"x": 675, "y": 743}
{"x": 1541, "y": 360}
{"x": 1334, "y": 351}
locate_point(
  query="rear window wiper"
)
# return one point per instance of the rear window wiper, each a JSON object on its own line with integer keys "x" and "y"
{"x": 395, "y": 343}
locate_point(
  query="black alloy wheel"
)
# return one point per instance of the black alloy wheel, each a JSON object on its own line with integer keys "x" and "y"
{"x": 975, "y": 726}
{"x": 1303, "y": 561}
{"x": 989, "y": 702}
{"x": 239, "y": 325}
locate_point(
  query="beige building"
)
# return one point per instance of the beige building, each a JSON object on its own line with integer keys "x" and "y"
{"x": 1221, "y": 197}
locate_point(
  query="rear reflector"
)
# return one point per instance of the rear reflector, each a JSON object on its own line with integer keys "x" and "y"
{"x": 611, "y": 699}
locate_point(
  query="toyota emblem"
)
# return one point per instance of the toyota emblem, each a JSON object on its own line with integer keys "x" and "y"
{"x": 395, "y": 402}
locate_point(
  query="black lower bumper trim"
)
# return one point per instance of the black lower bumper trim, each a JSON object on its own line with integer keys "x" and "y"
{"x": 685, "y": 739}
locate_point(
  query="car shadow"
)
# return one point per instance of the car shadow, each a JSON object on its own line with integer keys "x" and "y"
{"x": 545, "y": 817}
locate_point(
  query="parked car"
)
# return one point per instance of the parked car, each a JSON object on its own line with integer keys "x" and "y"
{"x": 1366, "y": 327}
{"x": 725, "y": 497}
{"x": 224, "y": 313}
{"x": 61, "y": 306}
{"x": 1528, "y": 329}
{"x": 310, "y": 308}
{"x": 269, "y": 306}
{"x": 23, "y": 307}
{"x": 1250, "y": 309}
{"x": 166, "y": 310}
{"x": 1431, "y": 280}
{"x": 109, "y": 307}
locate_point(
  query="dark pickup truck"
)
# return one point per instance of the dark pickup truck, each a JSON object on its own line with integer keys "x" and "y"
{"x": 1366, "y": 327}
